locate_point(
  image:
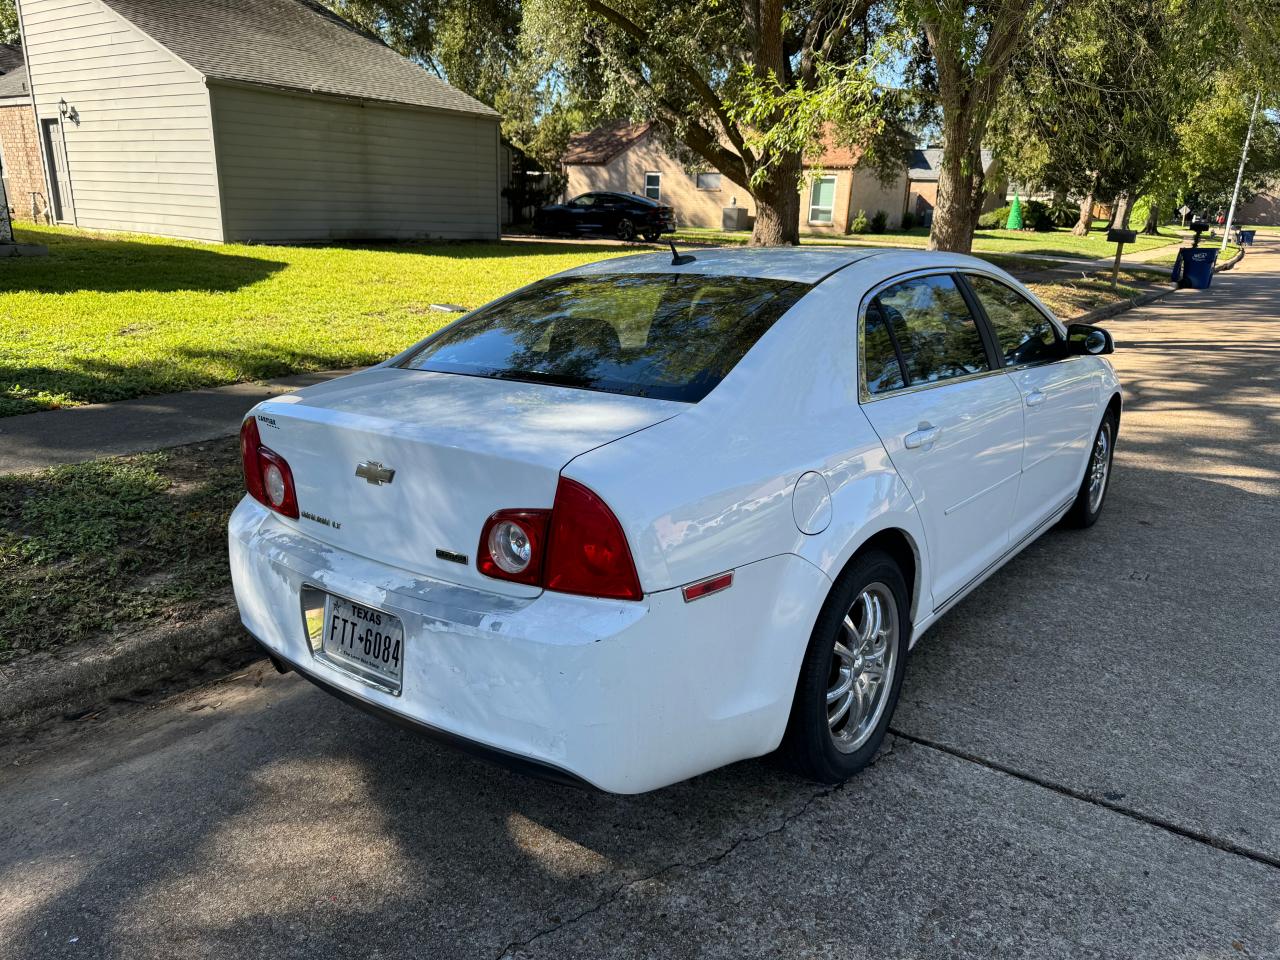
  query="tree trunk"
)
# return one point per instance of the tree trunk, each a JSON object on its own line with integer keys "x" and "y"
{"x": 1115, "y": 207}
{"x": 778, "y": 206}
{"x": 1085, "y": 223}
{"x": 977, "y": 190}
{"x": 1152, "y": 226}
{"x": 952, "y": 213}
{"x": 1123, "y": 211}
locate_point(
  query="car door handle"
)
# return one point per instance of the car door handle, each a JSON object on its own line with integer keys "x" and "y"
{"x": 1035, "y": 398}
{"x": 924, "y": 437}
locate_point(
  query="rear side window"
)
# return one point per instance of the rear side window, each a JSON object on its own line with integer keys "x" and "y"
{"x": 928, "y": 323}
{"x": 1024, "y": 333}
{"x": 669, "y": 336}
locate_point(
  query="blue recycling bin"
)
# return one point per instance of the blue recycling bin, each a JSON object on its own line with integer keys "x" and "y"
{"x": 1194, "y": 267}
{"x": 1246, "y": 237}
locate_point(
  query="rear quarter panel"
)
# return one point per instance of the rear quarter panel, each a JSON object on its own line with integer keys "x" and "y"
{"x": 712, "y": 488}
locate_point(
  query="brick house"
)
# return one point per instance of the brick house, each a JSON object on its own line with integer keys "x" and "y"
{"x": 20, "y": 164}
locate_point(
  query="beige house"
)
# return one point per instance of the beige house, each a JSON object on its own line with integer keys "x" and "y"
{"x": 630, "y": 158}
{"x": 269, "y": 120}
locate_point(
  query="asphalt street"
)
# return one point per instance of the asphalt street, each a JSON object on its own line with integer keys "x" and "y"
{"x": 1086, "y": 762}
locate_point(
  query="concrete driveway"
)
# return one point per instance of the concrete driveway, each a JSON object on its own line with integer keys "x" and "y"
{"x": 1086, "y": 763}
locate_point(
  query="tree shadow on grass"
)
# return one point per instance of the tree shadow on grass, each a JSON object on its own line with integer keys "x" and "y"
{"x": 77, "y": 262}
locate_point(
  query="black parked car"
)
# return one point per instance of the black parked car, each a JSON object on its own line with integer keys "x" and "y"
{"x": 620, "y": 215}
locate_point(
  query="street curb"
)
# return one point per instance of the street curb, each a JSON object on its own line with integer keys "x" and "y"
{"x": 1111, "y": 309}
{"x": 68, "y": 682}
{"x": 1230, "y": 263}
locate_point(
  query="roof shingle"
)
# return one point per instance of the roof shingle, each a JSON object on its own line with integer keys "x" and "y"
{"x": 13, "y": 73}
{"x": 293, "y": 44}
{"x": 603, "y": 143}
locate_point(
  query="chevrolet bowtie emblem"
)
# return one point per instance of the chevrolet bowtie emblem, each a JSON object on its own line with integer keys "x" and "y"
{"x": 375, "y": 472}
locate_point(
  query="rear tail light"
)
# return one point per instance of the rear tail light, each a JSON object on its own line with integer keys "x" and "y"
{"x": 267, "y": 476}
{"x": 513, "y": 544}
{"x": 576, "y": 547}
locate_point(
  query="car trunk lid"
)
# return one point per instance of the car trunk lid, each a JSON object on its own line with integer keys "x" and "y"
{"x": 404, "y": 466}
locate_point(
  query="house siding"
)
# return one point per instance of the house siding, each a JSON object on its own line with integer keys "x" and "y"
{"x": 141, "y": 156}
{"x": 20, "y": 161}
{"x": 625, "y": 174}
{"x": 297, "y": 167}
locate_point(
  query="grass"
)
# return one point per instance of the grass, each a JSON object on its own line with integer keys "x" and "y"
{"x": 1166, "y": 259}
{"x": 1071, "y": 297}
{"x": 112, "y": 545}
{"x": 107, "y": 317}
{"x": 1058, "y": 243}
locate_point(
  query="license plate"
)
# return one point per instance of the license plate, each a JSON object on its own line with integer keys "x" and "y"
{"x": 364, "y": 641}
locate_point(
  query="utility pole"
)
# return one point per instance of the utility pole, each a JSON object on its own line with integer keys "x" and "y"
{"x": 1244, "y": 157}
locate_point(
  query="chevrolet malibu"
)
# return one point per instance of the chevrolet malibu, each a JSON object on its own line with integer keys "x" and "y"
{"x": 657, "y": 514}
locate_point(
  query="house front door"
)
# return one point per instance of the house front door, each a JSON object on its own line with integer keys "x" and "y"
{"x": 55, "y": 150}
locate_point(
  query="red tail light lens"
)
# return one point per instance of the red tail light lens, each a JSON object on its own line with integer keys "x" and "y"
{"x": 575, "y": 547}
{"x": 512, "y": 545}
{"x": 267, "y": 476}
{"x": 587, "y": 551}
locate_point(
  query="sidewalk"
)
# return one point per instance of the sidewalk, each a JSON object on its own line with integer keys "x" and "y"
{"x": 38, "y": 440}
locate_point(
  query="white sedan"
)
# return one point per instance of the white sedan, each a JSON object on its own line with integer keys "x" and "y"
{"x": 648, "y": 516}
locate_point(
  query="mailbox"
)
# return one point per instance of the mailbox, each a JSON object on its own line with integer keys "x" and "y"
{"x": 1116, "y": 235}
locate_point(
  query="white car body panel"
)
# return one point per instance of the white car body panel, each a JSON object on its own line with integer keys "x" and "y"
{"x": 780, "y": 474}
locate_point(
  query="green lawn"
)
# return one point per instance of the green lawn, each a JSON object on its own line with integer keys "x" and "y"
{"x": 106, "y": 317}
{"x": 102, "y": 548}
{"x": 1059, "y": 243}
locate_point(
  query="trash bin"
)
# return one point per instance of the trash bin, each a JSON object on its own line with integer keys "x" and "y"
{"x": 1194, "y": 267}
{"x": 1246, "y": 237}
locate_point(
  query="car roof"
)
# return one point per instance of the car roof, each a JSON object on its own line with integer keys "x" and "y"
{"x": 805, "y": 264}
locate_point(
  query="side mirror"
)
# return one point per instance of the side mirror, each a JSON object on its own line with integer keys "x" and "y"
{"x": 1084, "y": 339}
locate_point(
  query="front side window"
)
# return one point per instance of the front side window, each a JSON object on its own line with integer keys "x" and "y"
{"x": 653, "y": 186}
{"x": 673, "y": 337}
{"x": 932, "y": 329}
{"x": 822, "y": 201}
{"x": 1024, "y": 333}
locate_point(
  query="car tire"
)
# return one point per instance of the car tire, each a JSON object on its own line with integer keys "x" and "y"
{"x": 825, "y": 740}
{"x": 1090, "y": 499}
{"x": 652, "y": 236}
{"x": 626, "y": 230}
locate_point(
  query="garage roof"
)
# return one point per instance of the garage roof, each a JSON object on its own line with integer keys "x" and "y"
{"x": 291, "y": 44}
{"x": 13, "y": 73}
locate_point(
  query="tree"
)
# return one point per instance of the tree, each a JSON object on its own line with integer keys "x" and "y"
{"x": 8, "y": 22}
{"x": 747, "y": 87}
{"x": 972, "y": 44}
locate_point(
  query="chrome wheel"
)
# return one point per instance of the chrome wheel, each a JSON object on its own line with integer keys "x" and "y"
{"x": 1099, "y": 466}
{"x": 862, "y": 665}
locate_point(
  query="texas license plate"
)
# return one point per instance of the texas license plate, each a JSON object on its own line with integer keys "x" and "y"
{"x": 365, "y": 641}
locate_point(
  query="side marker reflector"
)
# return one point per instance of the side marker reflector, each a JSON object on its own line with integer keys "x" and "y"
{"x": 703, "y": 588}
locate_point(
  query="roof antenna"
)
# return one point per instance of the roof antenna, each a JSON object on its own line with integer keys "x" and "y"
{"x": 679, "y": 259}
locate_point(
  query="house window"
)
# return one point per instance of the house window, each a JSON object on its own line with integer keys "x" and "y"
{"x": 653, "y": 186}
{"x": 823, "y": 200}
{"x": 708, "y": 181}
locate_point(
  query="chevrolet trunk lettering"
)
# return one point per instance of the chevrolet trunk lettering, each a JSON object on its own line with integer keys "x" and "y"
{"x": 375, "y": 473}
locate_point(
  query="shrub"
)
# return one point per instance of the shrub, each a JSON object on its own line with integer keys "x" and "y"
{"x": 908, "y": 221}
{"x": 860, "y": 223}
{"x": 1035, "y": 216}
{"x": 879, "y": 222}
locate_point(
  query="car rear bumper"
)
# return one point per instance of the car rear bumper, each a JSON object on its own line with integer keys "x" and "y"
{"x": 625, "y": 696}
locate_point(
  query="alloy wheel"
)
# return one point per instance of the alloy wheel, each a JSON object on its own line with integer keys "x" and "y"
{"x": 1099, "y": 467}
{"x": 862, "y": 667}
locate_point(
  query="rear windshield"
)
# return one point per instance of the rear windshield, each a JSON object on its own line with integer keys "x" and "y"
{"x": 669, "y": 336}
